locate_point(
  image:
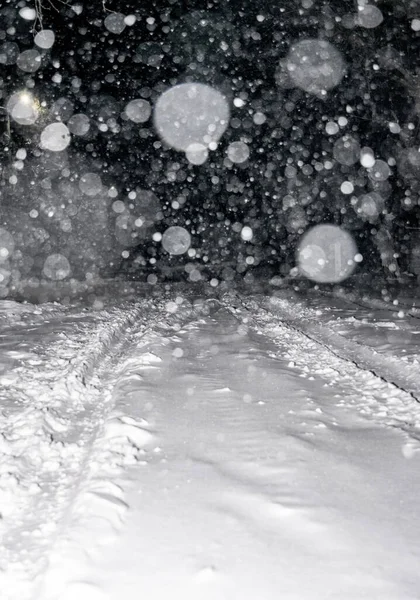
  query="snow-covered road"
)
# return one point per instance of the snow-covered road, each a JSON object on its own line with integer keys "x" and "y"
{"x": 214, "y": 449}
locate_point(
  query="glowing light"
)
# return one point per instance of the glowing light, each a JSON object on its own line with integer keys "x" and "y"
{"x": 25, "y": 97}
{"x": 23, "y": 108}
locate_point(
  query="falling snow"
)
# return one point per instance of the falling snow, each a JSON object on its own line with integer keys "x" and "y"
{"x": 209, "y": 299}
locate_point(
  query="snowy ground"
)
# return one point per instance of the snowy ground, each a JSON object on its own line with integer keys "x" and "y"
{"x": 187, "y": 447}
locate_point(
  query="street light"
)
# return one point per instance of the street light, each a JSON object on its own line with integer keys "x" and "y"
{"x": 23, "y": 108}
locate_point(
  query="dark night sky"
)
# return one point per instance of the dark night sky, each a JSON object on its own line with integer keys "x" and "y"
{"x": 236, "y": 47}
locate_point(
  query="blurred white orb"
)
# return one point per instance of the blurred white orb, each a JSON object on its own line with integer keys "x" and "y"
{"x": 55, "y": 137}
{"x": 29, "y": 61}
{"x": 369, "y": 16}
{"x": 130, "y": 20}
{"x": 147, "y": 203}
{"x": 62, "y": 109}
{"x": 22, "y": 108}
{"x": 347, "y": 187}
{"x": 126, "y": 230}
{"x": 238, "y": 152}
{"x": 9, "y": 52}
{"x": 45, "y": 39}
{"x": 115, "y": 22}
{"x": 346, "y": 150}
{"x": 176, "y": 240}
{"x": 27, "y": 13}
{"x": 197, "y": 154}
{"x": 259, "y": 118}
{"x": 191, "y": 113}
{"x": 118, "y": 206}
{"x": 315, "y": 66}
{"x": 380, "y": 171}
{"x": 326, "y": 254}
{"x": 5, "y": 275}
{"x": 79, "y": 124}
{"x": 90, "y": 184}
{"x": 138, "y": 110}
{"x": 247, "y": 233}
{"x": 56, "y": 267}
{"x": 7, "y": 245}
{"x": 369, "y": 206}
{"x": 332, "y": 128}
{"x": 367, "y": 157}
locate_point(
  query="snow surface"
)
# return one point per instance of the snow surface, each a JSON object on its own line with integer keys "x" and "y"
{"x": 187, "y": 446}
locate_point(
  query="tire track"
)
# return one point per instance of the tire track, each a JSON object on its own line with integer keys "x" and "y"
{"x": 45, "y": 443}
{"x": 243, "y": 469}
{"x": 56, "y": 413}
{"x": 387, "y": 389}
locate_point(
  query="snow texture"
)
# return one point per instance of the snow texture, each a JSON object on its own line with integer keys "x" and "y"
{"x": 185, "y": 445}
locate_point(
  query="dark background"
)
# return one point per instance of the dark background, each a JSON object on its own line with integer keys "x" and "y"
{"x": 239, "y": 54}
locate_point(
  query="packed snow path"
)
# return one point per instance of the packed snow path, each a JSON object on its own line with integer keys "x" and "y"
{"x": 212, "y": 452}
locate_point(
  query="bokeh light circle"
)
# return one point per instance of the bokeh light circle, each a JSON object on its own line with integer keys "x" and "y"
{"x": 79, "y": 124}
{"x": 197, "y": 154}
{"x": 315, "y": 66}
{"x": 7, "y": 245}
{"x": 29, "y": 61}
{"x": 138, "y": 110}
{"x": 55, "y": 137}
{"x": 238, "y": 152}
{"x": 56, "y": 267}
{"x": 369, "y": 16}
{"x": 176, "y": 240}
{"x": 45, "y": 39}
{"x": 90, "y": 184}
{"x": 115, "y": 23}
{"x": 22, "y": 108}
{"x": 191, "y": 113}
{"x": 326, "y": 254}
